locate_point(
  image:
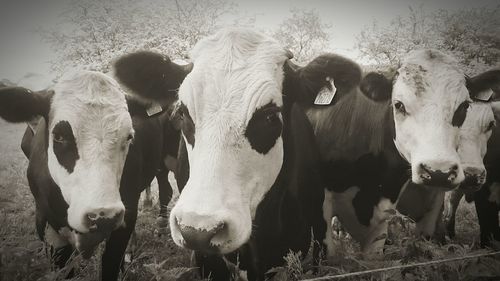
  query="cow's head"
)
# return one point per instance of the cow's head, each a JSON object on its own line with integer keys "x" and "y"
{"x": 231, "y": 104}
{"x": 89, "y": 131}
{"x": 478, "y": 127}
{"x": 233, "y": 115}
{"x": 430, "y": 100}
{"x": 474, "y": 136}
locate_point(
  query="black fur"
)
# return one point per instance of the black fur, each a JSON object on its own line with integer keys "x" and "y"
{"x": 20, "y": 104}
{"x": 376, "y": 86}
{"x": 487, "y": 80}
{"x": 460, "y": 114}
{"x": 313, "y": 77}
{"x": 264, "y": 128}
{"x": 151, "y": 76}
{"x": 64, "y": 145}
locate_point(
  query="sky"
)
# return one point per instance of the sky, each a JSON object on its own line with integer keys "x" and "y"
{"x": 21, "y": 50}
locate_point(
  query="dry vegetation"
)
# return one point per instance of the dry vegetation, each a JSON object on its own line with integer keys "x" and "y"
{"x": 155, "y": 257}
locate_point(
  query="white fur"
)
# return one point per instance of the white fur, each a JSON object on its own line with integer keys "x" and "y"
{"x": 235, "y": 72}
{"x": 96, "y": 109}
{"x": 474, "y": 135}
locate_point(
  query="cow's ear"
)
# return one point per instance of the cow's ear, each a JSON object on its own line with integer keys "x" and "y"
{"x": 151, "y": 76}
{"x": 485, "y": 86}
{"x": 19, "y": 104}
{"x": 376, "y": 87}
{"x": 326, "y": 79}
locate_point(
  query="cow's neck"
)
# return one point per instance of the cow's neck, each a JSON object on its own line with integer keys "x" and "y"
{"x": 354, "y": 126}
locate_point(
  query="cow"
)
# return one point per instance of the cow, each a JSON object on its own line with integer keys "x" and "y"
{"x": 252, "y": 190}
{"x": 92, "y": 153}
{"x": 377, "y": 134}
{"x": 485, "y": 193}
{"x": 425, "y": 204}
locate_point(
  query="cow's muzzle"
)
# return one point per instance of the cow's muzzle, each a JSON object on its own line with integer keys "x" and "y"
{"x": 474, "y": 179}
{"x": 201, "y": 239}
{"x": 104, "y": 220}
{"x": 445, "y": 177}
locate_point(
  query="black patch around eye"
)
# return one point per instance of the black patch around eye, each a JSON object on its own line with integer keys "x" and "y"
{"x": 460, "y": 114}
{"x": 187, "y": 124}
{"x": 64, "y": 145}
{"x": 264, "y": 128}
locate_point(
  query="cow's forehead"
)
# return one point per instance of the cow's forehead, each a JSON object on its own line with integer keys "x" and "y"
{"x": 235, "y": 70}
{"x": 90, "y": 98}
{"x": 431, "y": 74}
{"x": 88, "y": 88}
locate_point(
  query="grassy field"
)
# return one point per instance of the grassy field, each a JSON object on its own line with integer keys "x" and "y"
{"x": 155, "y": 257}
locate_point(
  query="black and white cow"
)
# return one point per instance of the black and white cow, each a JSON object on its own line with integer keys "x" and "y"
{"x": 253, "y": 192}
{"x": 92, "y": 153}
{"x": 381, "y": 130}
{"x": 487, "y": 197}
{"x": 424, "y": 204}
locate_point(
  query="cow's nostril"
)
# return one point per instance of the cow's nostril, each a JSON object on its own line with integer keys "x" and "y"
{"x": 104, "y": 220}
{"x": 92, "y": 216}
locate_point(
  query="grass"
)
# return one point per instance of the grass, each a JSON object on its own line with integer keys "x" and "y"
{"x": 156, "y": 257}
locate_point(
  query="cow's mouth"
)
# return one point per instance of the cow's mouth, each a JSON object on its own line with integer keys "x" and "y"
{"x": 86, "y": 243}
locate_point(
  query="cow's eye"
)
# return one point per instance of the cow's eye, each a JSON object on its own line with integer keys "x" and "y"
{"x": 400, "y": 107}
{"x": 460, "y": 114}
{"x": 491, "y": 125}
{"x": 272, "y": 118}
{"x": 59, "y": 138}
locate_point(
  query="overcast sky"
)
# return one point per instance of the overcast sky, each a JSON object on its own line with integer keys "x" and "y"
{"x": 22, "y": 51}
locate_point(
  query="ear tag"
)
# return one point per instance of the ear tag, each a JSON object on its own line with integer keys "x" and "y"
{"x": 325, "y": 96}
{"x": 154, "y": 109}
{"x": 484, "y": 95}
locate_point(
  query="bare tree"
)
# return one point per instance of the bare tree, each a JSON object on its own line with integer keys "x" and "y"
{"x": 387, "y": 45}
{"x": 91, "y": 33}
{"x": 472, "y": 36}
{"x": 304, "y": 33}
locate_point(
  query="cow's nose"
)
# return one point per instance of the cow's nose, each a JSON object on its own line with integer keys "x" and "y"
{"x": 104, "y": 219}
{"x": 200, "y": 239}
{"x": 474, "y": 178}
{"x": 443, "y": 177}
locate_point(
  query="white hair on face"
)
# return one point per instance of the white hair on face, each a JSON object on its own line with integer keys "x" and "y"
{"x": 91, "y": 88}
{"x": 235, "y": 48}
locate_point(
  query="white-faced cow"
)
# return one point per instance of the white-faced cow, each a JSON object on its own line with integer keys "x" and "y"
{"x": 92, "y": 153}
{"x": 373, "y": 137}
{"x": 424, "y": 204}
{"x": 253, "y": 191}
{"x": 486, "y": 191}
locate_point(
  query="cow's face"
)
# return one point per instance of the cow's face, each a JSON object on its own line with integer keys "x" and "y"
{"x": 474, "y": 135}
{"x": 89, "y": 132}
{"x": 430, "y": 102}
{"x": 231, "y": 106}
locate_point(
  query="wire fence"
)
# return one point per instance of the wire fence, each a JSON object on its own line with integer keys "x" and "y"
{"x": 379, "y": 270}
